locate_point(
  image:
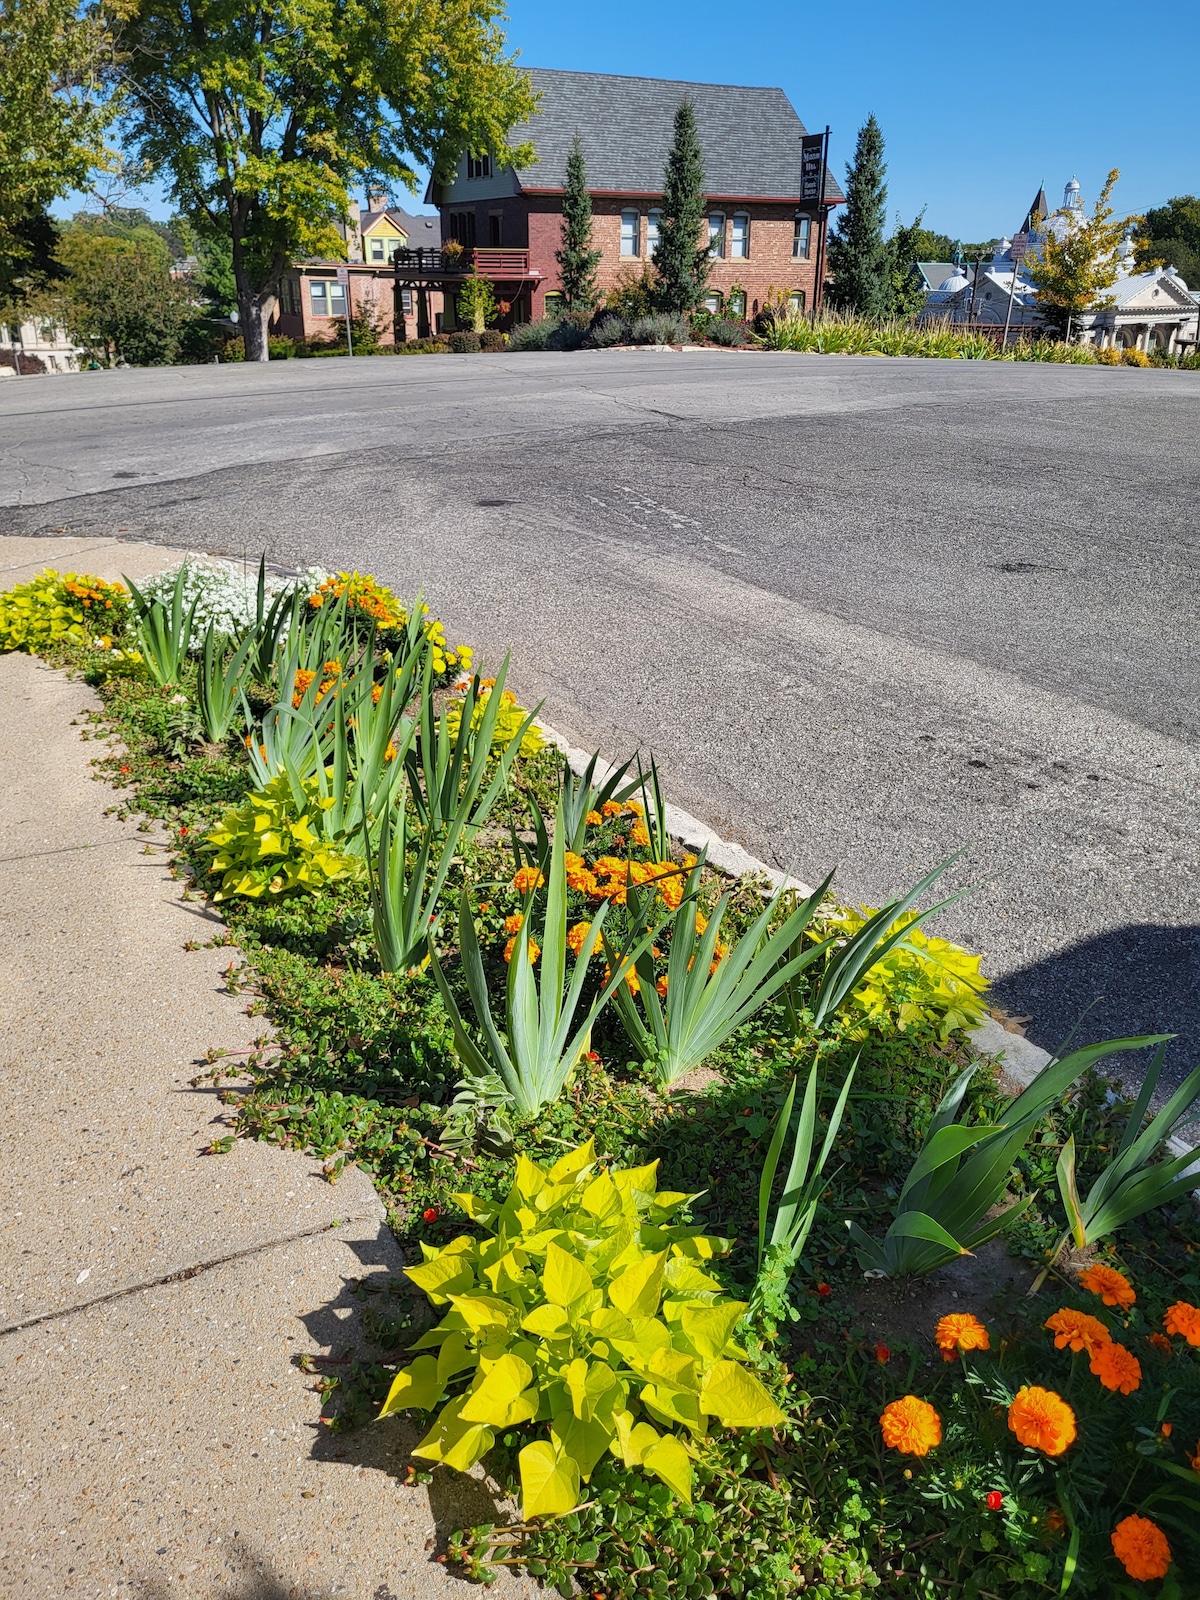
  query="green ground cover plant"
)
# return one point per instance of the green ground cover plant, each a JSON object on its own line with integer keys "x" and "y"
{"x": 652, "y": 1322}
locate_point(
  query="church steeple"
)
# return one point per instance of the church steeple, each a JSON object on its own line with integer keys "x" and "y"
{"x": 1037, "y": 213}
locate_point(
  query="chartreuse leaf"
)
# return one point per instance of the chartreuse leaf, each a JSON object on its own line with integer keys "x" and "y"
{"x": 482, "y": 1312}
{"x": 709, "y": 1328}
{"x": 668, "y": 1460}
{"x": 454, "y": 1357}
{"x": 736, "y": 1397}
{"x": 565, "y": 1278}
{"x": 638, "y": 1289}
{"x": 547, "y": 1322}
{"x": 457, "y": 1443}
{"x": 419, "y": 1386}
{"x": 549, "y": 1481}
{"x": 583, "y": 1442}
{"x": 633, "y": 1439}
{"x": 574, "y": 1162}
{"x": 501, "y": 1397}
{"x": 442, "y": 1277}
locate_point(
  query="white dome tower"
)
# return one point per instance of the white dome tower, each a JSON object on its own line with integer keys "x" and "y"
{"x": 1072, "y": 199}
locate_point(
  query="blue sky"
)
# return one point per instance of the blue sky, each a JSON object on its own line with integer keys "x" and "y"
{"x": 974, "y": 117}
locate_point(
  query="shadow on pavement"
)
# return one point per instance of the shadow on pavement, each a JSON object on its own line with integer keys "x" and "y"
{"x": 1142, "y": 978}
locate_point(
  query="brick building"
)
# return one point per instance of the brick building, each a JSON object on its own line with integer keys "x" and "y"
{"x": 508, "y": 221}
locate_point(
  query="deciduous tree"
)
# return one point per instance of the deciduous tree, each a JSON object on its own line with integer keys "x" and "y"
{"x": 859, "y": 259}
{"x": 1077, "y": 264}
{"x": 1169, "y": 236}
{"x": 263, "y": 112}
{"x": 577, "y": 260}
{"x": 682, "y": 261}
{"x": 53, "y": 113}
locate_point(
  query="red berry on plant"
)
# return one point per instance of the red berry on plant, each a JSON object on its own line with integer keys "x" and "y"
{"x": 824, "y": 1290}
{"x": 882, "y": 1354}
{"x": 430, "y": 1215}
{"x": 994, "y": 1500}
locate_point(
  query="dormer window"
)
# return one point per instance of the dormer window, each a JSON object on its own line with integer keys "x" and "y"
{"x": 479, "y": 166}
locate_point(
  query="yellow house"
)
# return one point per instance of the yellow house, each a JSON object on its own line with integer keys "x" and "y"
{"x": 382, "y": 235}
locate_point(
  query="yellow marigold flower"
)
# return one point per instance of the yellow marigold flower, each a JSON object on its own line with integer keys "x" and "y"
{"x": 611, "y": 808}
{"x": 911, "y": 1426}
{"x": 961, "y": 1331}
{"x": 671, "y": 890}
{"x": 376, "y": 694}
{"x": 1077, "y": 1329}
{"x": 640, "y": 834}
{"x": 661, "y": 986}
{"x": 701, "y": 922}
{"x": 1141, "y": 1547}
{"x": 1183, "y": 1319}
{"x": 526, "y": 879}
{"x": 576, "y": 937}
{"x": 1117, "y": 1367}
{"x": 1042, "y": 1420}
{"x": 594, "y": 819}
{"x": 1113, "y": 1287}
{"x": 535, "y": 949}
{"x": 515, "y": 923}
{"x": 635, "y": 808}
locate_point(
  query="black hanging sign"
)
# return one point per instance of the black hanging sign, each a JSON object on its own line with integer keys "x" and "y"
{"x": 812, "y": 168}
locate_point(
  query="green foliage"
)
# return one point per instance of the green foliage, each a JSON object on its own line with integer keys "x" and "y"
{"x": 314, "y": 97}
{"x": 835, "y": 333}
{"x": 55, "y": 607}
{"x": 1169, "y": 236}
{"x": 859, "y": 258}
{"x": 530, "y": 1070}
{"x": 906, "y": 295}
{"x": 477, "y": 304}
{"x": 747, "y": 1533}
{"x": 577, "y": 260}
{"x": 219, "y": 685}
{"x": 117, "y": 297}
{"x": 681, "y": 262}
{"x": 53, "y": 116}
{"x": 1133, "y": 1182}
{"x": 269, "y": 846}
{"x": 660, "y": 327}
{"x": 961, "y": 1174}
{"x": 464, "y": 344}
{"x": 633, "y": 294}
{"x": 586, "y": 1311}
{"x": 164, "y": 632}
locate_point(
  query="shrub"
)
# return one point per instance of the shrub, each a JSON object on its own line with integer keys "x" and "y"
{"x": 464, "y": 343}
{"x": 727, "y": 331}
{"x": 609, "y": 329}
{"x": 55, "y": 606}
{"x": 491, "y": 339}
{"x": 660, "y": 327}
{"x": 569, "y": 331}
{"x": 584, "y": 1310}
{"x": 633, "y": 294}
{"x": 264, "y": 846}
{"x": 281, "y": 348}
{"x": 1134, "y": 357}
{"x": 1110, "y": 357}
{"x": 531, "y": 335}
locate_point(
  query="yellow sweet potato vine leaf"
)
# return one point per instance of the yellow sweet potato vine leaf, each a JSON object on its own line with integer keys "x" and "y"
{"x": 583, "y": 1318}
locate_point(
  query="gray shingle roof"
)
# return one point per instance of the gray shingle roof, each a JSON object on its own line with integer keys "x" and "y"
{"x": 750, "y": 137}
{"x": 423, "y": 232}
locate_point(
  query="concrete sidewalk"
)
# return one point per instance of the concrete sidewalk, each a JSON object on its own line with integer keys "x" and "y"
{"x": 157, "y": 1438}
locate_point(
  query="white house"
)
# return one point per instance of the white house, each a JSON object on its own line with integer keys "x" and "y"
{"x": 1153, "y": 310}
{"x": 37, "y": 346}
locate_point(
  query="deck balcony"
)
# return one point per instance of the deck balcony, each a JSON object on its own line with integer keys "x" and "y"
{"x": 435, "y": 267}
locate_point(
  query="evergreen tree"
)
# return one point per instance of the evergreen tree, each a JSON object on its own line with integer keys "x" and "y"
{"x": 577, "y": 261}
{"x": 681, "y": 261}
{"x": 859, "y": 258}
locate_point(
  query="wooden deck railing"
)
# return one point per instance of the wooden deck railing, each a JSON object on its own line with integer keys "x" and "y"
{"x": 493, "y": 263}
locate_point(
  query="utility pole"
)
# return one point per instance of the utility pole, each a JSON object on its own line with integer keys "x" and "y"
{"x": 343, "y": 277}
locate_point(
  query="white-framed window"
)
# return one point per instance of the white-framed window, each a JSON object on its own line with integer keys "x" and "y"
{"x": 653, "y": 218}
{"x": 406, "y": 302}
{"x": 802, "y": 238}
{"x": 630, "y": 231}
{"x": 796, "y": 302}
{"x": 328, "y": 297}
{"x": 716, "y": 232}
{"x": 479, "y": 166}
{"x": 376, "y": 250}
{"x": 739, "y": 236}
{"x": 712, "y": 304}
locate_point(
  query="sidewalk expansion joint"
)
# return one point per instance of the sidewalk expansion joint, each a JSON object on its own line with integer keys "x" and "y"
{"x": 182, "y": 1274}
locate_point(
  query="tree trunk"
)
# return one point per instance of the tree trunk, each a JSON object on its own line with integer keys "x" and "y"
{"x": 257, "y": 311}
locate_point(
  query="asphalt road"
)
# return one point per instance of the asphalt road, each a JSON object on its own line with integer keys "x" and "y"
{"x": 864, "y": 611}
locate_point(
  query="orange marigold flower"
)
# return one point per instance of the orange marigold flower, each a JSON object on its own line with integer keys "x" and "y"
{"x": 1042, "y": 1420}
{"x": 635, "y": 808}
{"x": 1160, "y": 1342}
{"x": 514, "y": 924}
{"x": 1113, "y": 1287}
{"x": 594, "y": 819}
{"x": 1117, "y": 1367}
{"x": 1077, "y": 1329}
{"x": 1194, "y": 1461}
{"x": 701, "y": 922}
{"x": 1055, "y": 1520}
{"x": 961, "y": 1331}
{"x": 526, "y": 879}
{"x": 577, "y": 935}
{"x": 1183, "y": 1319}
{"x": 535, "y": 949}
{"x": 661, "y": 986}
{"x": 1141, "y": 1547}
{"x": 640, "y": 834}
{"x": 911, "y": 1426}
{"x": 612, "y": 808}
{"x": 376, "y": 694}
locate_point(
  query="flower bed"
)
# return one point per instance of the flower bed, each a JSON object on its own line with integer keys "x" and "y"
{"x": 679, "y": 1162}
